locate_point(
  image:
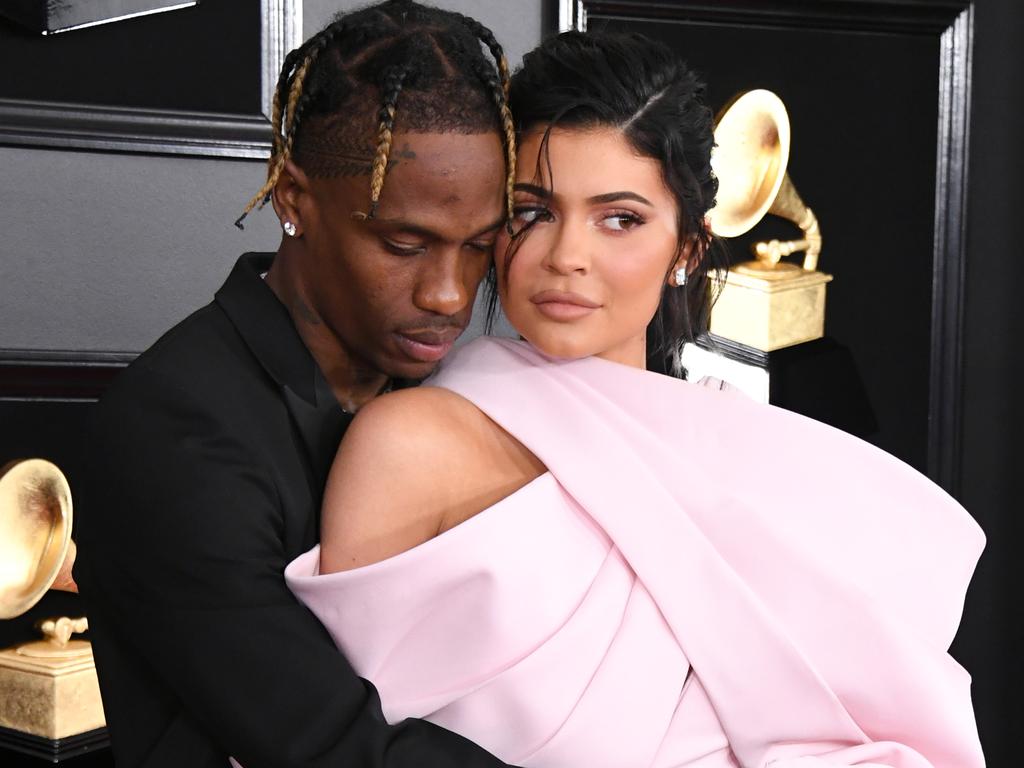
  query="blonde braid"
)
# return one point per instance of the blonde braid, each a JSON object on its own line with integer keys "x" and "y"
{"x": 510, "y": 160}
{"x": 380, "y": 160}
{"x": 283, "y": 140}
{"x": 506, "y": 77}
{"x": 392, "y": 87}
{"x": 508, "y": 125}
{"x": 500, "y": 97}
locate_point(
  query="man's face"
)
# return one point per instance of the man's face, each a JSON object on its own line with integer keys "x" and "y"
{"x": 396, "y": 291}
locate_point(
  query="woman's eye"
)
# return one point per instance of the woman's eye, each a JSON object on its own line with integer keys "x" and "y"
{"x": 621, "y": 222}
{"x": 527, "y": 215}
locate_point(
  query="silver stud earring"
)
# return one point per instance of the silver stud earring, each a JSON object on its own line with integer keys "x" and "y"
{"x": 680, "y": 275}
{"x": 289, "y": 229}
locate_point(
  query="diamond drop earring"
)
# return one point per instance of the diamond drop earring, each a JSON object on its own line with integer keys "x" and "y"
{"x": 289, "y": 229}
{"x": 680, "y": 275}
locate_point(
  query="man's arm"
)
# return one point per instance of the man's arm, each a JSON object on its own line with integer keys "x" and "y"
{"x": 182, "y": 549}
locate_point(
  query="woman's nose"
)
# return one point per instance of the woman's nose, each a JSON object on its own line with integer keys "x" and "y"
{"x": 570, "y": 249}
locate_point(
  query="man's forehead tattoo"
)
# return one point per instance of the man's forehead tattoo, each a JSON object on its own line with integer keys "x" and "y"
{"x": 396, "y": 59}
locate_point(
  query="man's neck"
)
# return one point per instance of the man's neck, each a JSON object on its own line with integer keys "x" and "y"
{"x": 352, "y": 381}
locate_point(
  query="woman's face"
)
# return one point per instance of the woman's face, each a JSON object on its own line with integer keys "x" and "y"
{"x": 587, "y": 277}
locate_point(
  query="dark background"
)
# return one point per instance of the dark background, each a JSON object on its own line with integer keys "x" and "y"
{"x": 876, "y": 303}
{"x": 165, "y": 62}
{"x": 991, "y": 640}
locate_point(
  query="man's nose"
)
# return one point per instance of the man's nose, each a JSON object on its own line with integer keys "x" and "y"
{"x": 447, "y": 284}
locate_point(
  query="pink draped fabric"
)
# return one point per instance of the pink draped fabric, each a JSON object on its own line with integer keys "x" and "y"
{"x": 699, "y": 580}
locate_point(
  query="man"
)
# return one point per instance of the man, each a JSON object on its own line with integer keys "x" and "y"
{"x": 212, "y": 449}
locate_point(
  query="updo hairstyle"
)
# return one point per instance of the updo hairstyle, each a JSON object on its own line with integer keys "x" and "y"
{"x": 590, "y": 80}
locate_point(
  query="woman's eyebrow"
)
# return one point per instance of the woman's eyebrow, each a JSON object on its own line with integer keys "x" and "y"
{"x": 533, "y": 189}
{"x": 608, "y": 197}
{"x": 611, "y": 197}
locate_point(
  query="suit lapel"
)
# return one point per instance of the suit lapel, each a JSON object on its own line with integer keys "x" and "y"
{"x": 321, "y": 426}
{"x": 267, "y": 329}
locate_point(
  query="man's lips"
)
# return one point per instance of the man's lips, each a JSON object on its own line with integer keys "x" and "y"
{"x": 427, "y": 346}
{"x": 563, "y": 305}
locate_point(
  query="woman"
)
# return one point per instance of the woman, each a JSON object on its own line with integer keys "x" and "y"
{"x": 555, "y": 561}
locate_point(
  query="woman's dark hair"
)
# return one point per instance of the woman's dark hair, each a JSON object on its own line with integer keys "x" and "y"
{"x": 356, "y": 74}
{"x": 643, "y": 88}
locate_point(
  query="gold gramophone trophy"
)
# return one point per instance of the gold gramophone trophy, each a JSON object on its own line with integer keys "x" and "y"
{"x": 767, "y": 329}
{"x": 766, "y": 303}
{"x": 49, "y": 695}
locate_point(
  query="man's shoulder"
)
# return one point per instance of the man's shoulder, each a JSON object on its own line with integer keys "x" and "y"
{"x": 201, "y": 358}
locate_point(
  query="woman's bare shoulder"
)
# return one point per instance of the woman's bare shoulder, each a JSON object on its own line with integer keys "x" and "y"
{"x": 413, "y": 431}
{"x": 412, "y": 464}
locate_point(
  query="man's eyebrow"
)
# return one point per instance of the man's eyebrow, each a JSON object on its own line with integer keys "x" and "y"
{"x": 611, "y": 197}
{"x": 487, "y": 230}
{"x": 408, "y": 227}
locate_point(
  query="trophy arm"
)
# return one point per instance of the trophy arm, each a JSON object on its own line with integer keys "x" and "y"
{"x": 64, "y": 581}
{"x": 58, "y": 631}
{"x": 789, "y": 205}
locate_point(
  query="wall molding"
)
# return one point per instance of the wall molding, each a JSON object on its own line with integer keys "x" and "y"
{"x": 33, "y": 375}
{"x": 924, "y": 17}
{"x": 58, "y": 125}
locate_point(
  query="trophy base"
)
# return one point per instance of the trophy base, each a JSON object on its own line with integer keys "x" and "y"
{"x": 818, "y": 379}
{"x": 51, "y": 696}
{"x": 768, "y": 308}
{"x": 53, "y": 750}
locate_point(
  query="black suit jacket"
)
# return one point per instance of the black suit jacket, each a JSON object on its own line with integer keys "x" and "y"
{"x": 210, "y": 456}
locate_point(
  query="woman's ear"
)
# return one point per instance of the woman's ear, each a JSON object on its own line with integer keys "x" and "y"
{"x": 291, "y": 196}
{"x": 685, "y": 262}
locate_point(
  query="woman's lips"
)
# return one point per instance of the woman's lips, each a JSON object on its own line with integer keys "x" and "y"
{"x": 429, "y": 347}
{"x": 562, "y": 305}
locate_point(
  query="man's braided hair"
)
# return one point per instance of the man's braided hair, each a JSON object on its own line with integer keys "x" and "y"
{"x": 395, "y": 58}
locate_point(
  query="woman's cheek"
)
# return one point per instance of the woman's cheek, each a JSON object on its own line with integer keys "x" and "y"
{"x": 639, "y": 274}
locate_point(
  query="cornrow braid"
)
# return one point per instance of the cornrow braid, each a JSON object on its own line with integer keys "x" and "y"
{"x": 292, "y": 79}
{"x": 431, "y": 55}
{"x": 501, "y": 101}
{"x": 487, "y": 38}
{"x": 393, "y": 82}
{"x": 498, "y": 89}
{"x": 291, "y": 61}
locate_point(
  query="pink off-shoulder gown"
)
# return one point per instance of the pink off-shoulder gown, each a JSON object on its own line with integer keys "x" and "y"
{"x": 698, "y": 580}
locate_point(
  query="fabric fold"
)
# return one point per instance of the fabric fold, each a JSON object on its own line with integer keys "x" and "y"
{"x": 811, "y": 581}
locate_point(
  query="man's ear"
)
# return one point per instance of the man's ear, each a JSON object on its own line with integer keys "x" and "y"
{"x": 291, "y": 196}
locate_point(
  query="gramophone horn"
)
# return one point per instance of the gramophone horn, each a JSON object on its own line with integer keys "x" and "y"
{"x": 36, "y": 551}
{"x": 753, "y": 137}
